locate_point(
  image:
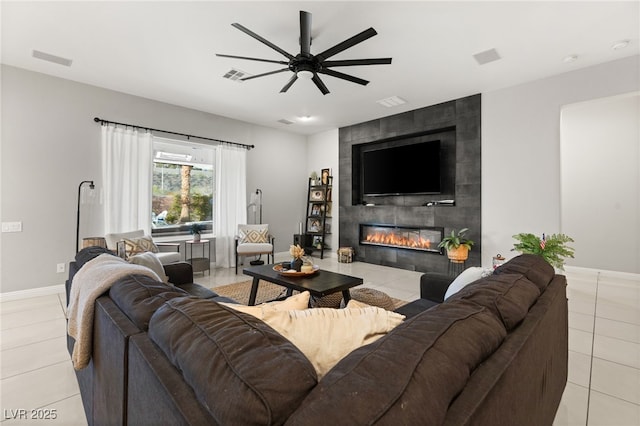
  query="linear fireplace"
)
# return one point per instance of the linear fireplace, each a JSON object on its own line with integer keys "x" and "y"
{"x": 425, "y": 238}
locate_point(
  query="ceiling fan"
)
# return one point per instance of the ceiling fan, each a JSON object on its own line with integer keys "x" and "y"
{"x": 307, "y": 65}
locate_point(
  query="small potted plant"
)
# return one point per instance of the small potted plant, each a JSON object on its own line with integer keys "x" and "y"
{"x": 553, "y": 248}
{"x": 314, "y": 178}
{"x": 457, "y": 245}
{"x": 196, "y": 229}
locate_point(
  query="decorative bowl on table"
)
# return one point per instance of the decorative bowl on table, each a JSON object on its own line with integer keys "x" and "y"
{"x": 284, "y": 271}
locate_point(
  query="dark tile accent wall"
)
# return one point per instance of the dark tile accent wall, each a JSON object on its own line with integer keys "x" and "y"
{"x": 457, "y": 124}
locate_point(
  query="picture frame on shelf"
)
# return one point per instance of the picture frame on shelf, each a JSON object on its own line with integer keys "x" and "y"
{"x": 317, "y": 242}
{"x": 316, "y": 209}
{"x": 328, "y": 194}
{"x": 325, "y": 174}
{"x": 316, "y": 195}
{"x": 315, "y": 225}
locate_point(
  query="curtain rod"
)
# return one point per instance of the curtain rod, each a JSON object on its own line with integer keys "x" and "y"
{"x": 150, "y": 129}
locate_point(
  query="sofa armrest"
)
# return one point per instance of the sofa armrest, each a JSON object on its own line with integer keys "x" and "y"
{"x": 433, "y": 286}
{"x": 179, "y": 272}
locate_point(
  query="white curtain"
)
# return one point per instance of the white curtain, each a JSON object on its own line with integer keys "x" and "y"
{"x": 127, "y": 156}
{"x": 230, "y": 201}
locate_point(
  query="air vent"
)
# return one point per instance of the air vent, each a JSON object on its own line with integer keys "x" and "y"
{"x": 52, "y": 58}
{"x": 285, "y": 121}
{"x": 486, "y": 56}
{"x": 235, "y": 75}
{"x": 393, "y": 101}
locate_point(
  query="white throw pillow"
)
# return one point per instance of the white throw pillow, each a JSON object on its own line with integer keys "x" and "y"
{"x": 151, "y": 261}
{"x": 326, "y": 335}
{"x": 467, "y": 276}
{"x": 295, "y": 302}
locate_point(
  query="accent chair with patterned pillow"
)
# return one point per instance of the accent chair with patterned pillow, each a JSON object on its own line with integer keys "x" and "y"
{"x": 137, "y": 242}
{"x": 254, "y": 240}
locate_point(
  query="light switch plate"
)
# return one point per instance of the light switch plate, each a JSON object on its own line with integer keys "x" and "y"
{"x": 11, "y": 226}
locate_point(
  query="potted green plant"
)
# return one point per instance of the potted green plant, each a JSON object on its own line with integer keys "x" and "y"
{"x": 553, "y": 248}
{"x": 457, "y": 245}
{"x": 196, "y": 228}
{"x": 314, "y": 178}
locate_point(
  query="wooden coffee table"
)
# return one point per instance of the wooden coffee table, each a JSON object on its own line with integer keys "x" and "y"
{"x": 319, "y": 284}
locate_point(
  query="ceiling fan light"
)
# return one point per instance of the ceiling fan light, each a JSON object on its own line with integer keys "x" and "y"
{"x": 306, "y": 74}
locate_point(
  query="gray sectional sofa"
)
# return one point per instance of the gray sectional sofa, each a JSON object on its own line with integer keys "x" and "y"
{"x": 494, "y": 353}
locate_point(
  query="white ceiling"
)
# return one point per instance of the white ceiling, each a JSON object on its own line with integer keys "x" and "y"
{"x": 166, "y": 50}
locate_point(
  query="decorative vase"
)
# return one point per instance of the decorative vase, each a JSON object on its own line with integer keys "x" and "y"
{"x": 458, "y": 255}
{"x": 196, "y": 238}
{"x": 296, "y": 264}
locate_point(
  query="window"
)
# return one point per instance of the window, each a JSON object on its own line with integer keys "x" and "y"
{"x": 183, "y": 186}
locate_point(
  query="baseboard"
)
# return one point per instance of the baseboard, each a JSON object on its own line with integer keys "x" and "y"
{"x": 604, "y": 272}
{"x": 32, "y": 292}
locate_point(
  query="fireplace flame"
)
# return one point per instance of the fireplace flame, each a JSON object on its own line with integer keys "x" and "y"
{"x": 393, "y": 239}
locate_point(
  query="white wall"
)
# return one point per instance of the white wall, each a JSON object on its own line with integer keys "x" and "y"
{"x": 322, "y": 154}
{"x": 521, "y": 150}
{"x": 601, "y": 190}
{"x": 50, "y": 143}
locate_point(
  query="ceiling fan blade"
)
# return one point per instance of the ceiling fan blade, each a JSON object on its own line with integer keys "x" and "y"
{"x": 252, "y": 59}
{"x": 320, "y": 84}
{"x": 344, "y": 76}
{"x": 305, "y": 33}
{"x": 350, "y": 42}
{"x": 264, "y": 74}
{"x": 262, "y": 40}
{"x": 292, "y": 80}
{"x": 352, "y": 62}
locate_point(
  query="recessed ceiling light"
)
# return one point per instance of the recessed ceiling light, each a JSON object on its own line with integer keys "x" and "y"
{"x": 620, "y": 44}
{"x": 392, "y": 101}
{"x": 305, "y": 118}
{"x": 569, "y": 58}
{"x": 51, "y": 58}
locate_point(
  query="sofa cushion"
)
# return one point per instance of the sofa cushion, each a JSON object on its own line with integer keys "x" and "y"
{"x": 90, "y": 253}
{"x": 139, "y": 296}
{"x": 424, "y": 363}
{"x": 326, "y": 335}
{"x": 534, "y": 267}
{"x": 508, "y": 296}
{"x": 240, "y": 369}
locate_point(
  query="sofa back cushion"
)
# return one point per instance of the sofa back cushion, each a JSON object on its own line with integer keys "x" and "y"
{"x": 139, "y": 296}
{"x": 240, "y": 369}
{"x": 534, "y": 267}
{"x": 508, "y": 296}
{"x": 423, "y": 365}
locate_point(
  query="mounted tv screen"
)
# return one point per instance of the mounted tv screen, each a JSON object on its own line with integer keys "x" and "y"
{"x": 402, "y": 170}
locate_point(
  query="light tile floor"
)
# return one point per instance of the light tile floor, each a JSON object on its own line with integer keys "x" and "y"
{"x": 604, "y": 347}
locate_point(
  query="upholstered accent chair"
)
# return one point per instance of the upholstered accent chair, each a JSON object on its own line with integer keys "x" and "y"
{"x": 137, "y": 242}
{"x": 253, "y": 240}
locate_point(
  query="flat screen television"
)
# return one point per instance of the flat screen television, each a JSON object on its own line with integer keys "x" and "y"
{"x": 402, "y": 170}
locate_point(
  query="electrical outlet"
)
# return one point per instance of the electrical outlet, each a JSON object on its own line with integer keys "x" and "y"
{"x": 60, "y": 267}
{"x": 11, "y": 226}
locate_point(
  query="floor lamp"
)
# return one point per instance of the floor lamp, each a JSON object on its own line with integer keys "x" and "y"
{"x": 91, "y": 186}
{"x": 259, "y": 260}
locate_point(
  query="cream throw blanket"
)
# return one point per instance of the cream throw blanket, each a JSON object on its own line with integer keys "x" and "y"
{"x": 89, "y": 283}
